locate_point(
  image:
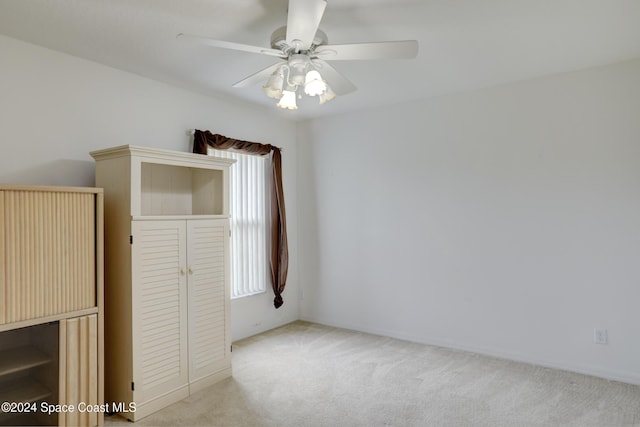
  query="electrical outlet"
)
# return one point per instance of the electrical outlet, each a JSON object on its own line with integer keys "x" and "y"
{"x": 600, "y": 336}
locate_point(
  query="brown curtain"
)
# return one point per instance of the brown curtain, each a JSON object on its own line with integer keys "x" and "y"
{"x": 279, "y": 257}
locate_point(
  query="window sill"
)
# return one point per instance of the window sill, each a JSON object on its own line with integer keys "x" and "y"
{"x": 248, "y": 295}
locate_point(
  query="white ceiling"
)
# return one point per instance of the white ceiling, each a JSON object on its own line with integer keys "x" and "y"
{"x": 464, "y": 44}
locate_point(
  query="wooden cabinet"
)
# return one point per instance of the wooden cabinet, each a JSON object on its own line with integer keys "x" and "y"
{"x": 167, "y": 274}
{"x": 51, "y": 279}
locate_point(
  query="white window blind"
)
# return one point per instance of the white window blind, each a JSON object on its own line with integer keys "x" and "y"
{"x": 248, "y": 210}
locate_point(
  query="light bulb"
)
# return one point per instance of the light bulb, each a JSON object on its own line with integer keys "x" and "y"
{"x": 288, "y": 100}
{"x": 313, "y": 84}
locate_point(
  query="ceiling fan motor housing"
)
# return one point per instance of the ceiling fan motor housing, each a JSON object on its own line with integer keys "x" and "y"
{"x": 279, "y": 40}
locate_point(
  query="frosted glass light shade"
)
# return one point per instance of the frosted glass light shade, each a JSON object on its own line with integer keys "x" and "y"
{"x": 327, "y": 96}
{"x": 288, "y": 100}
{"x": 313, "y": 84}
{"x": 273, "y": 88}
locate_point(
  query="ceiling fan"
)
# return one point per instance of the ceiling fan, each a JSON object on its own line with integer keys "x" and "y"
{"x": 303, "y": 51}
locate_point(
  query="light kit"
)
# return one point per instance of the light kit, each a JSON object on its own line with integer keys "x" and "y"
{"x": 298, "y": 73}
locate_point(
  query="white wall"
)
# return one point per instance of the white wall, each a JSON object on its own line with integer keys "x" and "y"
{"x": 55, "y": 109}
{"x": 504, "y": 221}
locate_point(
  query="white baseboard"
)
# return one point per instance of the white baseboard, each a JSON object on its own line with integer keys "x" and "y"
{"x": 621, "y": 376}
{"x": 202, "y": 383}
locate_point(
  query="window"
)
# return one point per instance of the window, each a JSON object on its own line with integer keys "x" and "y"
{"x": 248, "y": 210}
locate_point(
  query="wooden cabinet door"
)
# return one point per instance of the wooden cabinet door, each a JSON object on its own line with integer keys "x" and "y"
{"x": 49, "y": 253}
{"x": 159, "y": 315}
{"x": 207, "y": 256}
{"x": 79, "y": 371}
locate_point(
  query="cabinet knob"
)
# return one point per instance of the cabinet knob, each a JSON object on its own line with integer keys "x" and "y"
{"x": 182, "y": 271}
{"x": 190, "y": 270}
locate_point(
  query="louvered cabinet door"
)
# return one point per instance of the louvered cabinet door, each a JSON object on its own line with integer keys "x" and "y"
{"x": 207, "y": 257}
{"x": 159, "y": 308}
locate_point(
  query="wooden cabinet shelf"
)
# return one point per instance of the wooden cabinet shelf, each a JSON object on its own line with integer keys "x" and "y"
{"x": 142, "y": 181}
{"x": 21, "y": 359}
{"x": 23, "y": 389}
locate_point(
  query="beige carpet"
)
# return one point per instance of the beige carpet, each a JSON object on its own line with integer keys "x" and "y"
{"x": 305, "y": 374}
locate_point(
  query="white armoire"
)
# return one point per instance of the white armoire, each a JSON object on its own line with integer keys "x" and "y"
{"x": 167, "y": 296}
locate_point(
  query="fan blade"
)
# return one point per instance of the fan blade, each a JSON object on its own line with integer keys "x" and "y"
{"x": 260, "y": 76}
{"x": 302, "y": 22}
{"x": 404, "y": 49}
{"x": 230, "y": 45}
{"x": 338, "y": 83}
